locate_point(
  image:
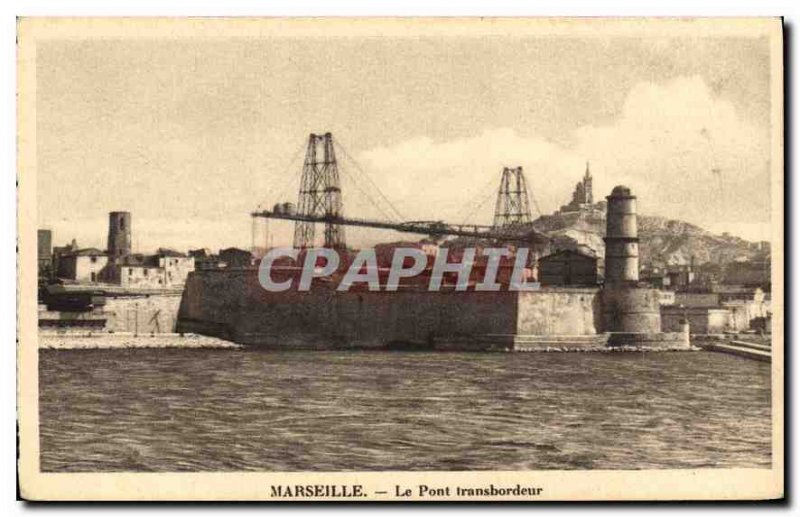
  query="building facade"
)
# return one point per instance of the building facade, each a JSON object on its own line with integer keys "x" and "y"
{"x": 86, "y": 265}
{"x": 702, "y": 320}
{"x": 568, "y": 267}
{"x": 165, "y": 270}
{"x": 753, "y": 273}
{"x": 176, "y": 268}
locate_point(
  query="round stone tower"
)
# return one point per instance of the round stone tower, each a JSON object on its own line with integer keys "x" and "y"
{"x": 627, "y": 307}
{"x": 622, "y": 238}
{"x": 119, "y": 235}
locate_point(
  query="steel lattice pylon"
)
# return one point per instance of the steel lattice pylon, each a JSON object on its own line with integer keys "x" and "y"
{"x": 512, "y": 199}
{"x": 320, "y": 194}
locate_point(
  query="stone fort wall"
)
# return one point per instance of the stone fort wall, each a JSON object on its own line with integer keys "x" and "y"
{"x": 231, "y": 304}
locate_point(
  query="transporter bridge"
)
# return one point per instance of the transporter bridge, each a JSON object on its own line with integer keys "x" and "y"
{"x": 320, "y": 202}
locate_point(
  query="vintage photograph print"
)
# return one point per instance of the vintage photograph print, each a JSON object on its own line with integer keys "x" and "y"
{"x": 400, "y": 259}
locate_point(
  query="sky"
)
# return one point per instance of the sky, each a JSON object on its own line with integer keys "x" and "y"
{"x": 192, "y": 135}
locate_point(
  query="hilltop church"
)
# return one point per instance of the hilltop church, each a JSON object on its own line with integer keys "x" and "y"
{"x": 582, "y": 196}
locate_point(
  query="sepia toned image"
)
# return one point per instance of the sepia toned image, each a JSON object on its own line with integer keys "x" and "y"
{"x": 400, "y": 259}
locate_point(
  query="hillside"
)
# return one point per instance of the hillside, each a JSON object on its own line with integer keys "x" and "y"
{"x": 662, "y": 241}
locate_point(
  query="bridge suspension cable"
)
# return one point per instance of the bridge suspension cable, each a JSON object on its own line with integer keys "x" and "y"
{"x": 396, "y": 213}
{"x": 320, "y": 202}
{"x": 288, "y": 178}
{"x": 366, "y": 195}
{"x": 476, "y": 202}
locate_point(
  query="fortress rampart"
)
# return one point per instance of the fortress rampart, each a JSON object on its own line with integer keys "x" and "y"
{"x": 231, "y": 304}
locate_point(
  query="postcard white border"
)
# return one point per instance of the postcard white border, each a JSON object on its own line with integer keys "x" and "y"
{"x": 559, "y": 485}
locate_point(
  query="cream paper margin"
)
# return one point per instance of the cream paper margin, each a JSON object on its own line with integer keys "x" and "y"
{"x": 689, "y": 484}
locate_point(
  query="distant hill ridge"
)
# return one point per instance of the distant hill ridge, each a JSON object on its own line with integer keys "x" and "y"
{"x": 662, "y": 241}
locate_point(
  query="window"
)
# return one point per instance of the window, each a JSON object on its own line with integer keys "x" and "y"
{"x": 93, "y": 259}
{"x": 145, "y": 272}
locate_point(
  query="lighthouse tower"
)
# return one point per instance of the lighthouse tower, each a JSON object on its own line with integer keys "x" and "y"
{"x": 622, "y": 238}
{"x": 628, "y": 308}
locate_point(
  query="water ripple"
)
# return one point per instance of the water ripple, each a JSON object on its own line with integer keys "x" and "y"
{"x": 226, "y": 410}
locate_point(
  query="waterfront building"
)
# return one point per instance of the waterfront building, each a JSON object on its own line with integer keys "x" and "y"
{"x": 702, "y": 320}
{"x": 568, "y": 267}
{"x": 82, "y": 265}
{"x": 719, "y": 309}
{"x": 167, "y": 269}
{"x": 749, "y": 273}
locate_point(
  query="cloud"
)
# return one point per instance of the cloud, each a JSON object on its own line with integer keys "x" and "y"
{"x": 664, "y": 143}
{"x": 436, "y": 180}
{"x": 686, "y": 153}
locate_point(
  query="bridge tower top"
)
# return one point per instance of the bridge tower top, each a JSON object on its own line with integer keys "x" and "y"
{"x": 512, "y": 205}
{"x": 320, "y": 194}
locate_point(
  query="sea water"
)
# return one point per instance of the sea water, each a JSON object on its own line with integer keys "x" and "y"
{"x": 172, "y": 410}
